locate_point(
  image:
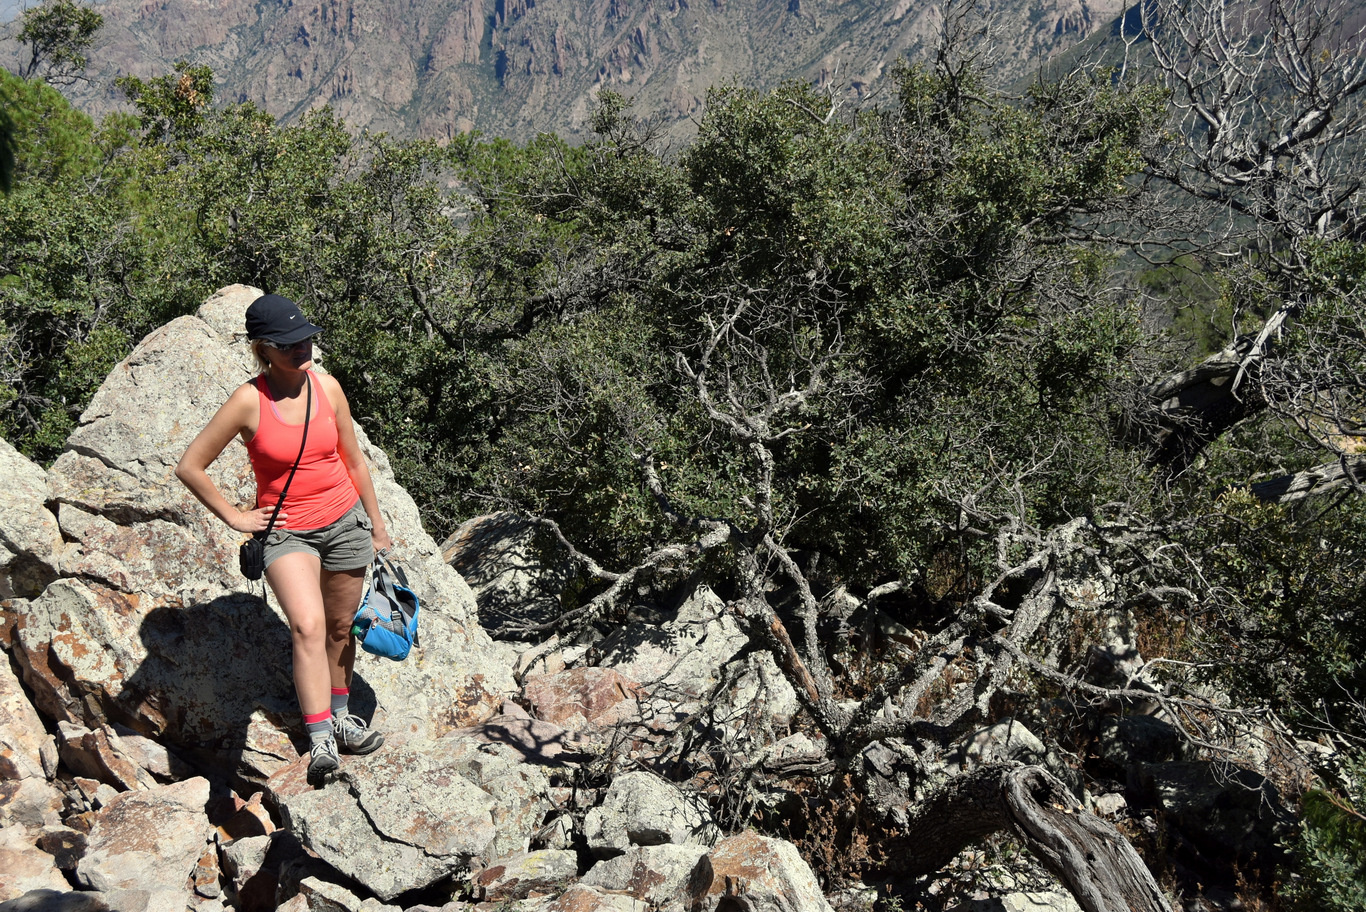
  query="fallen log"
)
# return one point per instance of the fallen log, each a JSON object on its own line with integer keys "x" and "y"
{"x": 1313, "y": 482}
{"x": 1092, "y": 858}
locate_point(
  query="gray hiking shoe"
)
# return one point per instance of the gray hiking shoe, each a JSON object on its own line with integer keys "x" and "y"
{"x": 354, "y": 737}
{"x": 323, "y": 761}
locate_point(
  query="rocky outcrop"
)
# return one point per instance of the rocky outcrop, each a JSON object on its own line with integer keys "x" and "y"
{"x": 768, "y": 875}
{"x": 641, "y": 809}
{"x": 151, "y": 657}
{"x": 668, "y": 877}
{"x": 30, "y": 541}
{"x": 28, "y": 759}
{"x": 524, "y": 874}
{"x": 692, "y": 659}
{"x": 143, "y": 846}
{"x": 433, "y": 806}
{"x": 24, "y": 867}
{"x": 585, "y": 699}
{"x": 187, "y": 651}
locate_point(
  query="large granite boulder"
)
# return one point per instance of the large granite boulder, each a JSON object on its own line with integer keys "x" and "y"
{"x": 144, "y": 846}
{"x": 523, "y": 874}
{"x": 641, "y": 809}
{"x": 669, "y": 878}
{"x": 416, "y": 812}
{"x": 762, "y": 874}
{"x": 24, "y": 867}
{"x": 150, "y": 624}
{"x": 1008, "y": 741}
{"x": 1123, "y": 741}
{"x": 584, "y": 699}
{"x": 30, "y": 542}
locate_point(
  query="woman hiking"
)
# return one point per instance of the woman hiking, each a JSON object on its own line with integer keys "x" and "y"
{"x": 328, "y": 529}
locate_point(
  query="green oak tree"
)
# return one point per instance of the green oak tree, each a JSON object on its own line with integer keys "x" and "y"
{"x": 58, "y": 34}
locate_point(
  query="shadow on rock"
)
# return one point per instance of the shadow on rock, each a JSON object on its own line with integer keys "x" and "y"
{"x": 217, "y": 683}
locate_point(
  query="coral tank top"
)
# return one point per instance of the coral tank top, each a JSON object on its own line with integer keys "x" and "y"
{"x": 322, "y": 489}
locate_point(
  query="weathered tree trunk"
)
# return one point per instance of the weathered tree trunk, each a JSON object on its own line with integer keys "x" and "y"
{"x": 1311, "y": 482}
{"x": 1188, "y": 410}
{"x": 1087, "y": 854}
{"x": 1093, "y": 858}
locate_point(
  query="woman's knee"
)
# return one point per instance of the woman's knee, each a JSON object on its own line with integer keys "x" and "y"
{"x": 339, "y": 629}
{"x": 308, "y": 629}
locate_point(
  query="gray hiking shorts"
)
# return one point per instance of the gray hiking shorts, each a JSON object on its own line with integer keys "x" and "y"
{"x": 342, "y": 545}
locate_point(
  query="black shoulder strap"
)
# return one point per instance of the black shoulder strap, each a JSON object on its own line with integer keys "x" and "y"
{"x": 308, "y": 414}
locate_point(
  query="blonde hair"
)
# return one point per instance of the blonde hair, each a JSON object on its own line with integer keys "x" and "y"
{"x": 262, "y": 365}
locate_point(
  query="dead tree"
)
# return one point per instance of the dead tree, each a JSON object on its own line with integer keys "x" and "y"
{"x": 1087, "y": 854}
{"x": 758, "y": 410}
{"x": 1267, "y": 120}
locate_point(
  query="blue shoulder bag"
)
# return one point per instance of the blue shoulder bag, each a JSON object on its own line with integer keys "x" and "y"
{"x": 386, "y": 622}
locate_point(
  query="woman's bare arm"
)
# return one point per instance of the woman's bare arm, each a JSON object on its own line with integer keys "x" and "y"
{"x": 238, "y": 414}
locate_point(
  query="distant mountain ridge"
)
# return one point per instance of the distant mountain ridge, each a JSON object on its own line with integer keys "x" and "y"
{"x": 435, "y": 68}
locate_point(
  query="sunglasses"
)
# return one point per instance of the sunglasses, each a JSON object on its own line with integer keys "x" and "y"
{"x": 278, "y": 346}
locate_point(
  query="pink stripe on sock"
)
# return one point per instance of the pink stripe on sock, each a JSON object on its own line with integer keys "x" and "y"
{"x": 310, "y": 718}
{"x": 341, "y": 691}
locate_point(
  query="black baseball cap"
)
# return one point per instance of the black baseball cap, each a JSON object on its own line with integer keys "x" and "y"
{"x": 278, "y": 319}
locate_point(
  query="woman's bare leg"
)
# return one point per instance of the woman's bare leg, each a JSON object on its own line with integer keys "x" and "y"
{"x": 341, "y": 592}
{"x": 295, "y": 579}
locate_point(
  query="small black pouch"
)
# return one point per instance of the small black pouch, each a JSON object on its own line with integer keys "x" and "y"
{"x": 251, "y": 558}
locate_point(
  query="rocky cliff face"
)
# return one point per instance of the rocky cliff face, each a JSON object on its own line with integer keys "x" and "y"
{"x": 517, "y": 67}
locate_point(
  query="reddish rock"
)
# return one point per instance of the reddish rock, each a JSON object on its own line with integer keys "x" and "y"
{"x": 24, "y": 866}
{"x": 94, "y": 754}
{"x": 584, "y": 698}
{"x": 537, "y": 741}
{"x": 151, "y": 839}
{"x": 580, "y": 898}
{"x": 249, "y": 819}
{"x": 769, "y": 872}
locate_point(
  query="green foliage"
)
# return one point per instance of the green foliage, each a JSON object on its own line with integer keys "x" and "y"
{"x": 58, "y": 33}
{"x": 50, "y": 140}
{"x": 7, "y": 143}
{"x": 171, "y": 108}
{"x": 1332, "y": 845}
{"x": 59, "y": 282}
{"x": 1288, "y": 628}
{"x": 1201, "y": 314}
{"x": 529, "y": 338}
{"x": 788, "y": 249}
